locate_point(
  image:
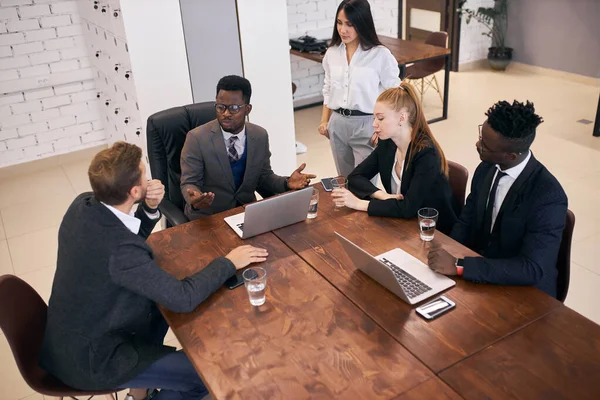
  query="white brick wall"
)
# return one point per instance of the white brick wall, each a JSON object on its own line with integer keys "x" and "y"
{"x": 316, "y": 17}
{"x": 473, "y": 45}
{"x": 48, "y": 102}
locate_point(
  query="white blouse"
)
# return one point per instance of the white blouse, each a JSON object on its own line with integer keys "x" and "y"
{"x": 396, "y": 180}
{"x": 357, "y": 86}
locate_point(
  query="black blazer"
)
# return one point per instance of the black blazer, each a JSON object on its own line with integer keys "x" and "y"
{"x": 423, "y": 184}
{"x": 522, "y": 248}
{"x": 103, "y": 325}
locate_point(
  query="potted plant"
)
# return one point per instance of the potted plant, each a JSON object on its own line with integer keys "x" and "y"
{"x": 495, "y": 20}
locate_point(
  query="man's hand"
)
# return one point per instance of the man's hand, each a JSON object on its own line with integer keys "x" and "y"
{"x": 155, "y": 191}
{"x": 243, "y": 256}
{"x": 382, "y": 195}
{"x": 323, "y": 129}
{"x": 441, "y": 261}
{"x": 298, "y": 180}
{"x": 200, "y": 200}
{"x": 346, "y": 198}
{"x": 374, "y": 140}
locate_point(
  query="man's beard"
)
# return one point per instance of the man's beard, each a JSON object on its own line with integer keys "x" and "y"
{"x": 142, "y": 198}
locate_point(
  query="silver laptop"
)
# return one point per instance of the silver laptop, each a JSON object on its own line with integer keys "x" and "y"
{"x": 399, "y": 272}
{"x": 272, "y": 213}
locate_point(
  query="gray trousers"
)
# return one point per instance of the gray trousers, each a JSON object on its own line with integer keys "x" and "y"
{"x": 349, "y": 139}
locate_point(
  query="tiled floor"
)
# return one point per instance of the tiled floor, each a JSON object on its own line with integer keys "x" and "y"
{"x": 32, "y": 205}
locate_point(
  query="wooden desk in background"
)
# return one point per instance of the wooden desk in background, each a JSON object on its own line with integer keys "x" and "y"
{"x": 484, "y": 314}
{"x": 406, "y": 52}
{"x": 307, "y": 341}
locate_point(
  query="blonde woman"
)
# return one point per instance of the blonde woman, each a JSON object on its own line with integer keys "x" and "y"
{"x": 411, "y": 163}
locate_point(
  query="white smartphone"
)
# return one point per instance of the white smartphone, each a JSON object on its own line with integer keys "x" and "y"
{"x": 436, "y": 307}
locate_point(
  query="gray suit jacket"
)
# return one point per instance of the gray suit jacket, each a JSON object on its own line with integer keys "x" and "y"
{"x": 205, "y": 167}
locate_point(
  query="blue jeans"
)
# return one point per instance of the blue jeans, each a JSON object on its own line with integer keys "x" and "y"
{"x": 174, "y": 375}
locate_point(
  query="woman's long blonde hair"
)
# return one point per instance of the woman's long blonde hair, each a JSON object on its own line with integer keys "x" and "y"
{"x": 405, "y": 96}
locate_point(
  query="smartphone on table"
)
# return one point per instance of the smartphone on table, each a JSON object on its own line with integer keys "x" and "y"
{"x": 326, "y": 182}
{"x": 435, "y": 308}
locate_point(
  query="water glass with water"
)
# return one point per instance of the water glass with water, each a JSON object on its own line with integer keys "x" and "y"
{"x": 427, "y": 221}
{"x": 339, "y": 183}
{"x": 255, "y": 280}
{"x": 314, "y": 205}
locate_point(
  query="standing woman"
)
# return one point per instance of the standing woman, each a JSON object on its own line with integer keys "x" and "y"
{"x": 357, "y": 69}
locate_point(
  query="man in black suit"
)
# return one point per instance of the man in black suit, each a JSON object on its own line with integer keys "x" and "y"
{"x": 516, "y": 211}
{"x": 104, "y": 329}
{"x": 224, "y": 161}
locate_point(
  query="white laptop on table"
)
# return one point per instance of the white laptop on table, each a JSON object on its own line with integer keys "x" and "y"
{"x": 399, "y": 272}
{"x": 272, "y": 213}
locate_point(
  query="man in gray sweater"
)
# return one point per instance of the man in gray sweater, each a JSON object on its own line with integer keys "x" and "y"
{"x": 104, "y": 329}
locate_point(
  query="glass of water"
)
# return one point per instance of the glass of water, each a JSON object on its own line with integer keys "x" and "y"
{"x": 339, "y": 183}
{"x": 314, "y": 205}
{"x": 255, "y": 280}
{"x": 427, "y": 221}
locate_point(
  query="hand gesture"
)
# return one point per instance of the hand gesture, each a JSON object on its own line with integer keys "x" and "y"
{"x": 200, "y": 200}
{"x": 298, "y": 180}
{"x": 155, "y": 191}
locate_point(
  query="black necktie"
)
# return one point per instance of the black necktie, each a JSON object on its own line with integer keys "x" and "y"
{"x": 487, "y": 220}
{"x": 231, "y": 150}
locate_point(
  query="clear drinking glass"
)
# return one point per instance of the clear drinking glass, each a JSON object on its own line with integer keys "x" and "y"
{"x": 314, "y": 205}
{"x": 339, "y": 183}
{"x": 427, "y": 221}
{"x": 255, "y": 280}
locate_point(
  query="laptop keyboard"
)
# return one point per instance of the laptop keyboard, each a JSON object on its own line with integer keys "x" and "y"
{"x": 241, "y": 226}
{"x": 411, "y": 285}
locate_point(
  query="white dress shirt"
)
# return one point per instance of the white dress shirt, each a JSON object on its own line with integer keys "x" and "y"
{"x": 505, "y": 184}
{"x": 129, "y": 220}
{"x": 357, "y": 86}
{"x": 240, "y": 144}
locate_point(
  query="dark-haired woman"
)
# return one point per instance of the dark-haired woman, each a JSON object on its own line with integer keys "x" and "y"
{"x": 357, "y": 69}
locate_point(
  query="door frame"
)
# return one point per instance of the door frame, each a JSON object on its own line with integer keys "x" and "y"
{"x": 452, "y": 20}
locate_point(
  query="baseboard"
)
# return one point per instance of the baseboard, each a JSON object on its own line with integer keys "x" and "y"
{"x": 534, "y": 69}
{"x": 308, "y": 101}
{"x": 473, "y": 65}
{"x": 31, "y": 167}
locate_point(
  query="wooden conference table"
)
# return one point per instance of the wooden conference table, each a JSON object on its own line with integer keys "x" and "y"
{"x": 406, "y": 52}
{"x": 328, "y": 331}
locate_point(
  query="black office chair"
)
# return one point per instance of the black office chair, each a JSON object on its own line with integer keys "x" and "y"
{"x": 166, "y": 132}
{"x": 563, "y": 263}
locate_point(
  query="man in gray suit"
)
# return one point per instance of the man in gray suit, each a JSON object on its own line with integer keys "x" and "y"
{"x": 223, "y": 162}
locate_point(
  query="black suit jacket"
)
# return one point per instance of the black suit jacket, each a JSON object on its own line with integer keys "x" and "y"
{"x": 423, "y": 184}
{"x": 103, "y": 325}
{"x": 522, "y": 248}
{"x": 205, "y": 167}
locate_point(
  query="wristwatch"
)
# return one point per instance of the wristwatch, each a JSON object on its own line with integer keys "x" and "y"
{"x": 285, "y": 183}
{"x": 459, "y": 264}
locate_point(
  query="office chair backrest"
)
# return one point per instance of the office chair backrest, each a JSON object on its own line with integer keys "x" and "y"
{"x": 458, "y": 177}
{"x": 166, "y": 131}
{"x": 563, "y": 263}
{"x": 426, "y": 68}
{"x": 23, "y": 321}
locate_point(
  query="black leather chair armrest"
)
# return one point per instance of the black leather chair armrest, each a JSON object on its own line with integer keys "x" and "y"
{"x": 173, "y": 214}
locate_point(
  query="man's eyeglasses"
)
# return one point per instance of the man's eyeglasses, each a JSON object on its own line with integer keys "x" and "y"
{"x": 482, "y": 147}
{"x": 233, "y": 108}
